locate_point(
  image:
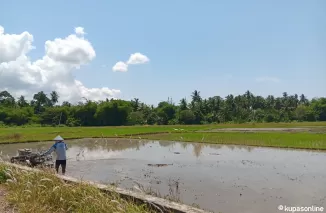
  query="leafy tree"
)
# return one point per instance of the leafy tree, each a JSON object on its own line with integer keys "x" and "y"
{"x": 6, "y": 99}
{"x": 165, "y": 111}
{"x": 183, "y": 104}
{"x": 43, "y": 109}
{"x": 54, "y": 98}
{"x": 135, "y": 104}
{"x": 113, "y": 113}
{"x": 40, "y": 101}
{"x": 22, "y": 102}
{"x": 136, "y": 118}
{"x": 187, "y": 117}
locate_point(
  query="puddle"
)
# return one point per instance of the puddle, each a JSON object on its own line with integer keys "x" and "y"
{"x": 219, "y": 178}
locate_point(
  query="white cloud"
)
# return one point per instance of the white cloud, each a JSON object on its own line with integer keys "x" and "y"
{"x": 137, "y": 58}
{"x": 71, "y": 50}
{"x": 12, "y": 45}
{"x": 80, "y": 31}
{"x": 120, "y": 67}
{"x": 21, "y": 76}
{"x": 268, "y": 79}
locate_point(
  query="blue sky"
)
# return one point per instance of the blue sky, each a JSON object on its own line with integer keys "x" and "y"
{"x": 216, "y": 47}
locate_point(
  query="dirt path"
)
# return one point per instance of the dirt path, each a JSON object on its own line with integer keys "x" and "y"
{"x": 4, "y": 206}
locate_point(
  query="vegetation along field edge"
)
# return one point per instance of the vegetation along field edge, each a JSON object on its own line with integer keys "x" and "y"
{"x": 46, "y": 110}
{"x": 186, "y": 133}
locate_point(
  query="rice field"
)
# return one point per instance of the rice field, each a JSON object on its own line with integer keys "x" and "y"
{"x": 316, "y": 139}
{"x": 300, "y": 140}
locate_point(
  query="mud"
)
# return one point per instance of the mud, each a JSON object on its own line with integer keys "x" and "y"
{"x": 159, "y": 164}
{"x": 4, "y": 206}
{"x": 219, "y": 178}
{"x": 303, "y": 129}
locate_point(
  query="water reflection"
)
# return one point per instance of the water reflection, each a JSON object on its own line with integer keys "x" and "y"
{"x": 260, "y": 175}
{"x": 197, "y": 149}
{"x": 166, "y": 143}
{"x": 108, "y": 148}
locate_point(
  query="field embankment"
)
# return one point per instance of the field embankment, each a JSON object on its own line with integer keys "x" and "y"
{"x": 44, "y": 192}
{"x": 31, "y": 134}
{"x": 309, "y": 135}
{"x": 298, "y": 140}
{"x": 291, "y": 129}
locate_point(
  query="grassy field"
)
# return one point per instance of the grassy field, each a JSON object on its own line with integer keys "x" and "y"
{"x": 266, "y": 139}
{"x": 44, "y": 192}
{"x": 27, "y": 134}
{"x": 48, "y": 133}
{"x": 179, "y": 133}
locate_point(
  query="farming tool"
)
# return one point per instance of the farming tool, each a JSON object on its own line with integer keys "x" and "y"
{"x": 27, "y": 157}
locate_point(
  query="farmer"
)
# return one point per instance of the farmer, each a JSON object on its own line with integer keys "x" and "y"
{"x": 60, "y": 148}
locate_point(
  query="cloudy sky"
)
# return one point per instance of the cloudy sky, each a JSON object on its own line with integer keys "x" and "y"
{"x": 159, "y": 49}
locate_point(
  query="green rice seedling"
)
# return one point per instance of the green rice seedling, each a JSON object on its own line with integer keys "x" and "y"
{"x": 31, "y": 133}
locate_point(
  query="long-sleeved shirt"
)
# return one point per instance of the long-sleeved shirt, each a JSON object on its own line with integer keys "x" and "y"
{"x": 60, "y": 149}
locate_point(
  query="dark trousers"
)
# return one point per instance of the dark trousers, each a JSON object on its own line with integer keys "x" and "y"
{"x": 63, "y": 165}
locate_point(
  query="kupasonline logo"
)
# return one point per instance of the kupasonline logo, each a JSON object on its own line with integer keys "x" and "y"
{"x": 300, "y": 209}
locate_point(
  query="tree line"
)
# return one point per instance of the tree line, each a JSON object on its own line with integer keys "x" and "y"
{"x": 44, "y": 109}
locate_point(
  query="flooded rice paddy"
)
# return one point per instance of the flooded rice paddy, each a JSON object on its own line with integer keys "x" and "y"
{"x": 218, "y": 178}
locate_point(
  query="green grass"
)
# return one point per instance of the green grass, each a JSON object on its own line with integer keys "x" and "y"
{"x": 28, "y": 134}
{"x": 48, "y": 133}
{"x": 44, "y": 192}
{"x": 266, "y": 139}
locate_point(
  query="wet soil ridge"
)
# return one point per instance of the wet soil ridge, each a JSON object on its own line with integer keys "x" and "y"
{"x": 161, "y": 204}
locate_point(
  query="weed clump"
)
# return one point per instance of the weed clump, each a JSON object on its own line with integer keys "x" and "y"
{"x": 3, "y": 177}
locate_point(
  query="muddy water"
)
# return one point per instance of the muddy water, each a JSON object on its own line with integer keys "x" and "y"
{"x": 218, "y": 178}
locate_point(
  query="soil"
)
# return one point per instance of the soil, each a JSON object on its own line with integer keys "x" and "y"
{"x": 4, "y": 206}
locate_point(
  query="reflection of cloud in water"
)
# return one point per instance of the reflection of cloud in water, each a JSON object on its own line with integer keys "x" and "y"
{"x": 231, "y": 147}
{"x": 92, "y": 154}
{"x": 109, "y": 144}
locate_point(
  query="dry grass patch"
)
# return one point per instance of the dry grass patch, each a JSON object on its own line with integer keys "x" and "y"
{"x": 44, "y": 192}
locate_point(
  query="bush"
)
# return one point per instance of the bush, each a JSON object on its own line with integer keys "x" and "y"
{"x": 136, "y": 118}
{"x": 3, "y": 177}
{"x": 187, "y": 117}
